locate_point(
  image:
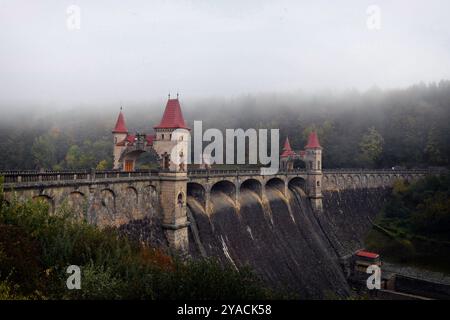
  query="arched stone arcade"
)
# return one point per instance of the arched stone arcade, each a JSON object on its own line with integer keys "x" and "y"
{"x": 252, "y": 185}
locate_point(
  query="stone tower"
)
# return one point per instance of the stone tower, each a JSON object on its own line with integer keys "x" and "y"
{"x": 313, "y": 161}
{"x": 120, "y": 133}
{"x": 172, "y": 138}
{"x": 171, "y": 144}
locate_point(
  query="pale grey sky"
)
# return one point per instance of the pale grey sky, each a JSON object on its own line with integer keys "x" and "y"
{"x": 140, "y": 50}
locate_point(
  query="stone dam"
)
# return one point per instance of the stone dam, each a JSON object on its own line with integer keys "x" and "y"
{"x": 239, "y": 217}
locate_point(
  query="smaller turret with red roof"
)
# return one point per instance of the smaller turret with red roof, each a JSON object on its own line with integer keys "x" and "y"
{"x": 287, "y": 150}
{"x": 124, "y": 139}
{"x": 287, "y": 156}
{"x": 120, "y": 124}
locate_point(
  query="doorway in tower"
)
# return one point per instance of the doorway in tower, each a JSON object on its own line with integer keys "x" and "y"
{"x": 129, "y": 165}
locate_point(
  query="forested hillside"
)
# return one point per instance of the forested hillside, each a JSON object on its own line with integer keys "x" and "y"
{"x": 407, "y": 127}
{"x": 414, "y": 226}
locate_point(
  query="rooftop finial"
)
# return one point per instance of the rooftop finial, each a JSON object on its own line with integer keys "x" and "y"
{"x": 169, "y": 95}
{"x": 177, "y": 95}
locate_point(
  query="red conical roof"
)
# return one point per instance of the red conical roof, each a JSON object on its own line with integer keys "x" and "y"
{"x": 287, "y": 150}
{"x": 172, "y": 117}
{"x": 120, "y": 124}
{"x": 313, "y": 141}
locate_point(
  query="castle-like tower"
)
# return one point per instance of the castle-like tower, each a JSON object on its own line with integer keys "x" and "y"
{"x": 312, "y": 156}
{"x": 313, "y": 160}
{"x": 171, "y": 145}
{"x": 170, "y": 142}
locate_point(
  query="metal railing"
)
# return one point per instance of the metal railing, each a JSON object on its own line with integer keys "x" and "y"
{"x": 377, "y": 171}
{"x": 13, "y": 177}
{"x": 29, "y": 176}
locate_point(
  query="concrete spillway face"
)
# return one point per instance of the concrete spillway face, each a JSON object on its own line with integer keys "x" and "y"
{"x": 347, "y": 215}
{"x": 288, "y": 250}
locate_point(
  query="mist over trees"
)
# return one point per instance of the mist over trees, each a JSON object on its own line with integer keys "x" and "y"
{"x": 372, "y": 129}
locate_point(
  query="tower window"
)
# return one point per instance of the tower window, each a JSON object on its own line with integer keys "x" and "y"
{"x": 318, "y": 183}
{"x": 318, "y": 165}
{"x": 311, "y": 165}
{"x": 162, "y": 136}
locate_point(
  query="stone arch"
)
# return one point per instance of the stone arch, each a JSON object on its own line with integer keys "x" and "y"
{"x": 364, "y": 181}
{"x": 349, "y": 182}
{"x": 252, "y": 185}
{"x": 128, "y": 204}
{"x": 326, "y": 181}
{"x": 276, "y": 183}
{"x": 379, "y": 180}
{"x": 341, "y": 181}
{"x": 197, "y": 191}
{"x": 371, "y": 181}
{"x": 46, "y": 199}
{"x": 180, "y": 198}
{"x": 333, "y": 181}
{"x": 132, "y": 195}
{"x": 149, "y": 197}
{"x": 106, "y": 213}
{"x": 297, "y": 182}
{"x": 76, "y": 201}
{"x": 226, "y": 187}
{"x": 357, "y": 181}
{"x": 133, "y": 153}
{"x": 107, "y": 195}
{"x": 151, "y": 191}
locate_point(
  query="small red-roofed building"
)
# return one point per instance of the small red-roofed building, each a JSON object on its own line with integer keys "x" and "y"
{"x": 363, "y": 259}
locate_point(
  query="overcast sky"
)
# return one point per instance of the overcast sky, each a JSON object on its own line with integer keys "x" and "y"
{"x": 140, "y": 50}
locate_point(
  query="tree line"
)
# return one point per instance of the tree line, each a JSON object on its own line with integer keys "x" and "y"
{"x": 372, "y": 129}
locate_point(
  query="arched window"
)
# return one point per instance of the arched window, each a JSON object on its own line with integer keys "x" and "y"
{"x": 318, "y": 183}
{"x": 180, "y": 199}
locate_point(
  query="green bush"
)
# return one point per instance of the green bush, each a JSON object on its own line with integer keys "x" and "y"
{"x": 36, "y": 248}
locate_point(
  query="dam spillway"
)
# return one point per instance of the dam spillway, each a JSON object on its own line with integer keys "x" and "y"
{"x": 282, "y": 239}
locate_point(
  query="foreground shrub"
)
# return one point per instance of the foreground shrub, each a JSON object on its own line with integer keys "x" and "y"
{"x": 36, "y": 248}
